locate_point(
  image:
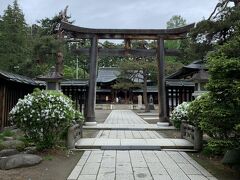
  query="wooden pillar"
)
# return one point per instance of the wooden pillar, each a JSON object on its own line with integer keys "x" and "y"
{"x": 92, "y": 83}
{"x": 161, "y": 82}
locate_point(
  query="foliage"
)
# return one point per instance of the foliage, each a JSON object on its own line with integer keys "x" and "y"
{"x": 176, "y": 21}
{"x": 44, "y": 116}
{"x": 217, "y": 114}
{"x": 70, "y": 72}
{"x": 124, "y": 84}
{"x": 138, "y": 70}
{"x": 6, "y": 133}
{"x": 196, "y": 108}
{"x": 171, "y": 66}
{"x": 212, "y": 32}
{"x": 14, "y": 49}
{"x": 219, "y": 147}
{"x": 110, "y": 61}
{"x": 179, "y": 114}
{"x": 174, "y": 63}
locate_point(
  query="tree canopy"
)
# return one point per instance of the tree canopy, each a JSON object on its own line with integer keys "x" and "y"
{"x": 14, "y": 47}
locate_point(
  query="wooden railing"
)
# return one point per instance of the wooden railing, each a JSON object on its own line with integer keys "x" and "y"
{"x": 192, "y": 134}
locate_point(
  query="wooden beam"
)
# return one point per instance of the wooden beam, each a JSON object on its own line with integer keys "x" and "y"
{"x": 130, "y": 52}
{"x": 125, "y": 36}
{"x": 81, "y": 32}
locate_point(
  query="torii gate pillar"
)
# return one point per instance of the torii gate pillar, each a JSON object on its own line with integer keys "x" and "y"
{"x": 163, "y": 119}
{"x": 91, "y": 120}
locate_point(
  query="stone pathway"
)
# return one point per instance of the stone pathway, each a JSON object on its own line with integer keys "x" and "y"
{"x": 134, "y": 164}
{"x": 123, "y": 129}
{"x": 138, "y": 165}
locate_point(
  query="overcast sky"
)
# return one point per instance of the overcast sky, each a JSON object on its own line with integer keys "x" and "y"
{"x": 116, "y": 13}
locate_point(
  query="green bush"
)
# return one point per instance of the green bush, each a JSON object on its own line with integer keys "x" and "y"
{"x": 44, "y": 116}
{"x": 214, "y": 117}
{"x": 195, "y": 110}
{"x": 6, "y": 133}
{"x": 179, "y": 114}
{"x": 219, "y": 147}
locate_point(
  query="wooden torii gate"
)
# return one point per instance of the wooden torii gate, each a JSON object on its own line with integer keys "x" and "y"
{"x": 127, "y": 35}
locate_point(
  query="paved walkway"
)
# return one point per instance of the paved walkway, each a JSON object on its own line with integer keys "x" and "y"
{"x": 123, "y": 129}
{"x": 138, "y": 165}
{"x": 134, "y": 164}
{"x": 130, "y": 121}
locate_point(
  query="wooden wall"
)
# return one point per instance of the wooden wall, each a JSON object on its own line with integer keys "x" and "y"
{"x": 10, "y": 92}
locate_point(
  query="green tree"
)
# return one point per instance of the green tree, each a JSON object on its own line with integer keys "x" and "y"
{"x": 109, "y": 61}
{"x": 176, "y": 21}
{"x": 137, "y": 68}
{"x": 14, "y": 50}
{"x": 175, "y": 63}
{"x": 216, "y": 30}
{"x": 218, "y": 113}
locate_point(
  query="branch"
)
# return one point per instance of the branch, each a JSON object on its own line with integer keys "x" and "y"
{"x": 223, "y": 4}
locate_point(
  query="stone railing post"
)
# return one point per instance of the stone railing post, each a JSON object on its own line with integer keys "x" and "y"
{"x": 198, "y": 139}
{"x": 73, "y": 135}
{"x": 182, "y": 129}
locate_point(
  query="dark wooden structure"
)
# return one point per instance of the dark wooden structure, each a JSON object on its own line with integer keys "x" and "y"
{"x": 77, "y": 90}
{"x": 178, "y": 91}
{"x": 12, "y": 87}
{"x": 75, "y": 32}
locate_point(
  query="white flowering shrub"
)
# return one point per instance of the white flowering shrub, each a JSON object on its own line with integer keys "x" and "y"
{"x": 179, "y": 113}
{"x": 44, "y": 116}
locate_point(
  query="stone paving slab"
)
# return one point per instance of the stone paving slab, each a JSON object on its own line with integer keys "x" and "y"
{"x": 134, "y": 165}
{"x": 128, "y": 134}
{"x": 96, "y": 143}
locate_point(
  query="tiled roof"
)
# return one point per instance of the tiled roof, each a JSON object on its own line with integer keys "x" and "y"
{"x": 17, "y": 78}
{"x": 108, "y": 74}
{"x": 190, "y": 69}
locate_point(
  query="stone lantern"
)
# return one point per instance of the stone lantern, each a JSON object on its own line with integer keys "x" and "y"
{"x": 200, "y": 79}
{"x": 52, "y": 79}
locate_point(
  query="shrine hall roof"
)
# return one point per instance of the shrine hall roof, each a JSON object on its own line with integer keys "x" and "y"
{"x": 109, "y": 74}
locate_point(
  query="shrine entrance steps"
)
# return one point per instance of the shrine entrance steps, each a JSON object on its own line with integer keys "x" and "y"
{"x": 125, "y": 130}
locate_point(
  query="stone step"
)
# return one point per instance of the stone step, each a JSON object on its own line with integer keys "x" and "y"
{"x": 147, "y": 114}
{"x": 132, "y": 127}
{"x": 132, "y": 144}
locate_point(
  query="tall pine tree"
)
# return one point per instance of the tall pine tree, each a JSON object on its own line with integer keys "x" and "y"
{"x": 13, "y": 38}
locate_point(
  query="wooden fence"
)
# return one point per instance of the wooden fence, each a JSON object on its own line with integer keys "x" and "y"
{"x": 79, "y": 96}
{"x": 175, "y": 95}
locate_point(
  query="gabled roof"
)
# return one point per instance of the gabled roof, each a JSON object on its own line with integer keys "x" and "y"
{"x": 17, "y": 78}
{"x": 109, "y": 74}
{"x": 188, "y": 70}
